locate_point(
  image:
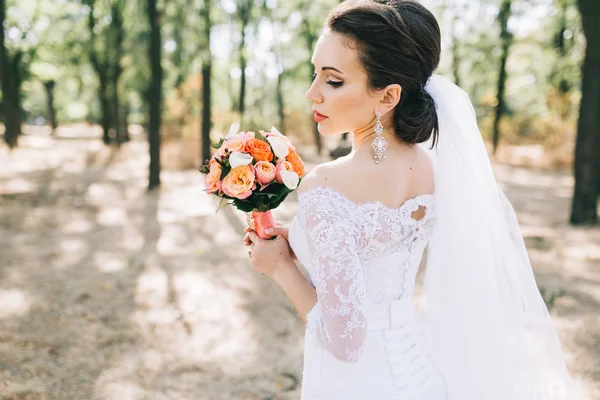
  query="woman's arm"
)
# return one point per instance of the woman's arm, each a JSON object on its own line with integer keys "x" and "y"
{"x": 301, "y": 293}
{"x": 274, "y": 258}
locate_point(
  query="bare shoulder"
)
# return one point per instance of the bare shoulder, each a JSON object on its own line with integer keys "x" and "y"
{"x": 402, "y": 177}
{"x": 326, "y": 174}
{"x": 424, "y": 172}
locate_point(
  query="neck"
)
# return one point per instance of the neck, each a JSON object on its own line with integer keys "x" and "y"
{"x": 363, "y": 139}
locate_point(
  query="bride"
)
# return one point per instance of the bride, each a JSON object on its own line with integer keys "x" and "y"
{"x": 418, "y": 175}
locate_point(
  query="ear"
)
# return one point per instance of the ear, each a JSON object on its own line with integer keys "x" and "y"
{"x": 390, "y": 97}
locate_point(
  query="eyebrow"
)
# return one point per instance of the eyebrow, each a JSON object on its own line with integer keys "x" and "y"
{"x": 334, "y": 69}
{"x": 331, "y": 68}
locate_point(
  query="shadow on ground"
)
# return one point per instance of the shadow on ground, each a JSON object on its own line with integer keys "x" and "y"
{"x": 110, "y": 292}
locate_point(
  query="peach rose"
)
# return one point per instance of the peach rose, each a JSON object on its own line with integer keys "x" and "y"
{"x": 249, "y": 135}
{"x": 282, "y": 165}
{"x": 296, "y": 162}
{"x": 259, "y": 149}
{"x": 265, "y": 172}
{"x": 235, "y": 143}
{"x": 239, "y": 182}
{"x": 212, "y": 181}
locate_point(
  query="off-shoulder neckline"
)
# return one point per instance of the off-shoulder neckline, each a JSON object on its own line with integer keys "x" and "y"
{"x": 408, "y": 202}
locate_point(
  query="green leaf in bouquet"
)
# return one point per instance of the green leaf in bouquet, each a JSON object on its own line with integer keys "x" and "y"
{"x": 274, "y": 193}
{"x": 224, "y": 171}
{"x": 243, "y": 205}
{"x": 257, "y": 135}
{"x": 222, "y": 204}
{"x": 278, "y": 201}
{"x": 277, "y": 189}
{"x": 283, "y": 192}
{"x": 218, "y": 144}
{"x": 262, "y": 203}
{"x": 222, "y": 163}
{"x": 266, "y": 193}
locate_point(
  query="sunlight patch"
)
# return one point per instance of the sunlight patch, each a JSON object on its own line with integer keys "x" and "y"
{"x": 112, "y": 216}
{"x": 77, "y": 225}
{"x": 121, "y": 390}
{"x": 17, "y": 185}
{"x": 110, "y": 262}
{"x": 152, "y": 289}
{"x": 13, "y": 303}
{"x": 583, "y": 251}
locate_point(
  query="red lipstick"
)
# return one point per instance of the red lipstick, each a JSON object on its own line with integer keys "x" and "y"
{"x": 319, "y": 117}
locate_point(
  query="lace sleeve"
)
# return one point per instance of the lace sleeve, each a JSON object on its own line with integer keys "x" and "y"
{"x": 338, "y": 319}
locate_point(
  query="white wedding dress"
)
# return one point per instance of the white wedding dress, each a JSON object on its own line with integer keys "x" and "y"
{"x": 364, "y": 339}
{"x": 484, "y": 332}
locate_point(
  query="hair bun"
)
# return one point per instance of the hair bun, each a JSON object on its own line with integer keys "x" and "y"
{"x": 415, "y": 117}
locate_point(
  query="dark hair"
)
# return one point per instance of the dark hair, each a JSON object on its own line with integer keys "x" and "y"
{"x": 398, "y": 41}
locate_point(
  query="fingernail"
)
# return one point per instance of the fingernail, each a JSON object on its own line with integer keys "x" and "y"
{"x": 269, "y": 230}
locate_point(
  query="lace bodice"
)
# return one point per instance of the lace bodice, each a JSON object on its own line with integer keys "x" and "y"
{"x": 356, "y": 254}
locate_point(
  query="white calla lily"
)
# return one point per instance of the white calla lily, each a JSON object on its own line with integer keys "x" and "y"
{"x": 280, "y": 147}
{"x": 233, "y": 130}
{"x": 281, "y": 135}
{"x": 236, "y": 159}
{"x": 290, "y": 179}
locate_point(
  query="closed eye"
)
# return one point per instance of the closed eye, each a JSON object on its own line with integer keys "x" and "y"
{"x": 334, "y": 84}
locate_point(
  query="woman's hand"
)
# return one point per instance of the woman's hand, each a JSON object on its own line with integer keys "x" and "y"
{"x": 269, "y": 255}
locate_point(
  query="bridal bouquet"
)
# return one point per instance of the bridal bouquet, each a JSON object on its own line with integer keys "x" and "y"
{"x": 254, "y": 171}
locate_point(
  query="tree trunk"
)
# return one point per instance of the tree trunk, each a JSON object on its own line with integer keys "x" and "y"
{"x": 108, "y": 70}
{"x": 455, "y": 53}
{"x": 242, "y": 99}
{"x": 14, "y": 96}
{"x": 280, "y": 100}
{"x": 587, "y": 147}
{"x": 506, "y": 37}
{"x": 244, "y": 12}
{"x": 155, "y": 95}
{"x": 206, "y": 110}
{"x": 102, "y": 73}
{"x": 49, "y": 86}
{"x": 124, "y": 124}
{"x": 206, "y": 85}
{"x": 116, "y": 112}
{"x": 560, "y": 75}
{"x": 10, "y": 102}
{"x": 117, "y": 71}
{"x": 104, "y": 110}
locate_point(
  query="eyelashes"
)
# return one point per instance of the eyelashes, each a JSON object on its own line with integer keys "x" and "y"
{"x": 333, "y": 84}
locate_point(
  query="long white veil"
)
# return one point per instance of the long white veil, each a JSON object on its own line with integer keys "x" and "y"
{"x": 487, "y": 324}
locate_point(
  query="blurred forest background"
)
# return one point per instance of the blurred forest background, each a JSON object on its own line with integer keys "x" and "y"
{"x": 117, "y": 278}
{"x": 182, "y": 71}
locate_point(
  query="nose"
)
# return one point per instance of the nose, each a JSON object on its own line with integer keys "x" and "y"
{"x": 312, "y": 94}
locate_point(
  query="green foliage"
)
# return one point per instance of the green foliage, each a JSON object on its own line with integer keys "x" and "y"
{"x": 54, "y": 42}
{"x": 270, "y": 198}
{"x": 550, "y": 298}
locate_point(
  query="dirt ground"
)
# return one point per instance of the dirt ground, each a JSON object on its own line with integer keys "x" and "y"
{"x": 110, "y": 292}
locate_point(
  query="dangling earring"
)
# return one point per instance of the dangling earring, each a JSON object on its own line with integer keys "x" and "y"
{"x": 379, "y": 144}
